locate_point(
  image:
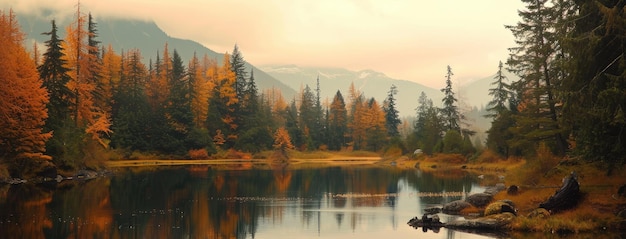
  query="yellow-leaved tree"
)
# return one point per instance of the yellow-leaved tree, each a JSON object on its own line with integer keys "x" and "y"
{"x": 82, "y": 63}
{"x": 23, "y": 99}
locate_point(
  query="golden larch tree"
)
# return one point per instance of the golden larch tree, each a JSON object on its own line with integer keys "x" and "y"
{"x": 23, "y": 99}
{"x": 81, "y": 64}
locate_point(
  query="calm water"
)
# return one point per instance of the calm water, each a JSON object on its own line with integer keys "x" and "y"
{"x": 199, "y": 202}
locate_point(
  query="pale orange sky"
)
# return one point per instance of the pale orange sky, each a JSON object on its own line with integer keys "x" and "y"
{"x": 405, "y": 39}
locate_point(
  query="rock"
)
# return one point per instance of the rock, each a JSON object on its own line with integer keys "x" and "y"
{"x": 46, "y": 170}
{"x": 621, "y": 192}
{"x": 539, "y": 213}
{"x": 479, "y": 199}
{"x": 432, "y": 210}
{"x": 512, "y": 190}
{"x": 86, "y": 174}
{"x": 431, "y": 222}
{"x": 490, "y": 222}
{"x": 495, "y": 189}
{"x": 499, "y": 207}
{"x": 455, "y": 207}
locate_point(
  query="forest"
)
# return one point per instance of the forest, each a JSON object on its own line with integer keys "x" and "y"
{"x": 78, "y": 102}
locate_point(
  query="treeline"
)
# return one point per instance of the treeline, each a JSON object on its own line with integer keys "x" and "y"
{"x": 571, "y": 95}
{"x": 81, "y": 100}
{"x": 89, "y": 101}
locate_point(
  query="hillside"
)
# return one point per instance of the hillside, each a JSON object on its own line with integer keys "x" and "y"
{"x": 124, "y": 34}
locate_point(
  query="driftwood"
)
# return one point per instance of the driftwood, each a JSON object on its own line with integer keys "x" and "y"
{"x": 566, "y": 197}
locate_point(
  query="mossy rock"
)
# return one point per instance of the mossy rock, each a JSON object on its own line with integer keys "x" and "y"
{"x": 539, "y": 213}
{"x": 495, "y": 221}
{"x": 499, "y": 207}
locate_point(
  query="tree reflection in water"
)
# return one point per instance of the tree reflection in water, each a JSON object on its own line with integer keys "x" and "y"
{"x": 200, "y": 202}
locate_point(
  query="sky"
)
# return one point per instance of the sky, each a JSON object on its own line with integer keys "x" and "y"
{"x": 405, "y": 39}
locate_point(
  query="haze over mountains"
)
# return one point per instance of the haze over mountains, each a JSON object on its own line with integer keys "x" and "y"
{"x": 124, "y": 34}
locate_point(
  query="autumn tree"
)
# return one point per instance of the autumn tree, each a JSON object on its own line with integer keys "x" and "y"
{"x": 357, "y": 118}
{"x": 22, "y": 97}
{"x": 222, "y": 103}
{"x": 375, "y": 130}
{"x": 83, "y": 63}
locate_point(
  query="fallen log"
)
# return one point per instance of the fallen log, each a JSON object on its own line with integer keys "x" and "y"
{"x": 566, "y": 197}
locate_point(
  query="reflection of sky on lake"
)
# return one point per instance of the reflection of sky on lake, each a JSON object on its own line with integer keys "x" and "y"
{"x": 350, "y": 216}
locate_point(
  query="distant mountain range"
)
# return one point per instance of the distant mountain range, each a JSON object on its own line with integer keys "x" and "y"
{"x": 124, "y": 34}
{"x": 369, "y": 82}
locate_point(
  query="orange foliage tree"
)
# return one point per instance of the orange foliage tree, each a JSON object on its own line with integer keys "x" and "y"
{"x": 22, "y": 97}
{"x": 82, "y": 63}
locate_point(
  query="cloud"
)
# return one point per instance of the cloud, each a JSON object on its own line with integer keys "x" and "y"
{"x": 406, "y": 39}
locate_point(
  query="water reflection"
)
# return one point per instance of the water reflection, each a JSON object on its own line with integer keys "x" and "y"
{"x": 200, "y": 202}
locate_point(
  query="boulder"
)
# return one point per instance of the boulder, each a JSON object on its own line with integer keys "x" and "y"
{"x": 621, "y": 192}
{"x": 495, "y": 189}
{"x": 455, "y": 207}
{"x": 432, "y": 210}
{"x": 495, "y": 221}
{"x": 512, "y": 190}
{"x": 539, "y": 213}
{"x": 479, "y": 199}
{"x": 499, "y": 207}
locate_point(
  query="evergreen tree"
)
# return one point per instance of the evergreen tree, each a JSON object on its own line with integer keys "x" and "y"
{"x": 499, "y": 135}
{"x": 392, "y": 120}
{"x": 428, "y": 126}
{"x": 594, "y": 89}
{"x": 238, "y": 66}
{"x": 55, "y": 78}
{"x": 132, "y": 112}
{"x": 338, "y": 123}
{"x": 450, "y": 111}
{"x": 533, "y": 60}
{"x": 308, "y": 118}
{"x": 500, "y": 93}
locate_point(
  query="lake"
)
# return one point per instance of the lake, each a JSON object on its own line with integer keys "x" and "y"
{"x": 201, "y": 202}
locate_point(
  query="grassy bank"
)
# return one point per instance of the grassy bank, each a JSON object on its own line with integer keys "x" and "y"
{"x": 538, "y": 179}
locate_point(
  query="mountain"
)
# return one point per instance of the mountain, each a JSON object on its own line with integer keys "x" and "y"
{"x": 369, "y": 82}
{"x": 124, "y": 34}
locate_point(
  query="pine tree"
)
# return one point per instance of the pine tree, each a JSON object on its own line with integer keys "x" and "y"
{"x": 238, "y": 66}
{"x": 533, "y": 60}
{"x": 392, "y": 120}
{"x": 338, "y": 123}
{"x": 499, "y": 135}
{"x": 55, "y": 78}
{"x": 428, "y": 126}
{"x": 132, "y": 112}
{"x": 594, "y": 88}
{"x": 450, "y": 110}
{"x": 500, "y": 93}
